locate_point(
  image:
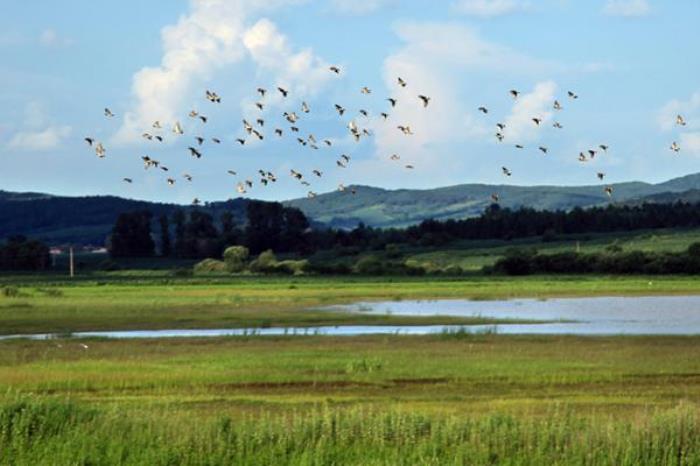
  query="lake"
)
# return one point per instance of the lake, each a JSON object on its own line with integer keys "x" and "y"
{"x": 658, "y": 315}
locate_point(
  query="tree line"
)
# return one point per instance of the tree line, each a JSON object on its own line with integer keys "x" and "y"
{"x": 22, "y": 254}
{"x": 198, "y": 235}
{"x": 272, "y": 226}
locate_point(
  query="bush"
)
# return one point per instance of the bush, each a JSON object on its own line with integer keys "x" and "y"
{"x": 291, "y": 267}
{"x": 209, "y": 266}
{"x": 10, "y": 291}
{"x": 108, "y": 265}
{"x": 235, "y": 258}
{"x": 453, "y": 270}
{"x": 517, "y": 262}
{"x": 369, "y": 265}
{"x": 182, "y": 272}
{"x": 265, "y": 263}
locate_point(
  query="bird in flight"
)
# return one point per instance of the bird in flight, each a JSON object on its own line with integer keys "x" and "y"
{"x": 100, "y": 150}
{"x": 213, "y": 97}
{"x": 483, "y": 110}
{"x": 675, "y": 147}
{"x": 572, "y": 95}
{"x": 283, "y": 91}
{"x": 506, "y": 171}
{"x": 108, "y": 113}
{"x": 514, "y": 93}
{"x": 425, "y": 100}
{"x": 335, "y": 69}
{"x": 680, "y": 121}
{"x": 401, "y": 82}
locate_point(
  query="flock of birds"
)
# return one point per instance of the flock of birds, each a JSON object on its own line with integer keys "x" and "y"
{"x": 255, "y": 130}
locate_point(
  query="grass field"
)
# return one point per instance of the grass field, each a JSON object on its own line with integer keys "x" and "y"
{"x": 133, "y": 301}
{"x": 442, "y": 399}
{"x": 366, "y": 400}
{"x": 474, "y": 255}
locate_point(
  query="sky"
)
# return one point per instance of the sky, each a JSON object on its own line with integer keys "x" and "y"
{"x": 632, "y": 63}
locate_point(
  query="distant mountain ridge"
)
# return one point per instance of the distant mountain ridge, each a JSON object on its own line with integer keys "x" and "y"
{"x": 402, "y": 207}
{"x": 88, "y": 220}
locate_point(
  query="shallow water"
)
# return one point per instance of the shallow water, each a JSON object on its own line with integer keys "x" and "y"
{"x": 659, "y": 315}
{"x": 642, "y": 315}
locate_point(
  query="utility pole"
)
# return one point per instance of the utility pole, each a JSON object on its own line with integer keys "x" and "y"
{"x": 72, "y": 262}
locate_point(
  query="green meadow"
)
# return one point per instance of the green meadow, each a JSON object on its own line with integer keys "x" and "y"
{"x": 449, "y": 398}
{"x": 443, "y": 399}
{"x": 156, "y": 300}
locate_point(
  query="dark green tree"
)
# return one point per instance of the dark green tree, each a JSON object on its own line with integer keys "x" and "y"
{"x": 131, "y": 235}
{"x": 165, "y": 246}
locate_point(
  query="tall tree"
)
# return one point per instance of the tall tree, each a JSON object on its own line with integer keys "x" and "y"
{"x": 179, "y": 220}
{"x": 165, "y": 246}
{"x": 131, "y": 235}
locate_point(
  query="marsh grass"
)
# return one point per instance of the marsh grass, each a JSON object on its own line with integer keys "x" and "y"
{"x": 63, "y": 433}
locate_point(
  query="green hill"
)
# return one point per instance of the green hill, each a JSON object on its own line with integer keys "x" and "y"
{"x": 88, "y": 220}
{"x": 397, "y": 208}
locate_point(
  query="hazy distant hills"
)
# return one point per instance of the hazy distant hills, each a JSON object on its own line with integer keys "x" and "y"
{"x": 387, "y": 208}
{"x": 81, "y": 220}
{"x": 88, "y": 220}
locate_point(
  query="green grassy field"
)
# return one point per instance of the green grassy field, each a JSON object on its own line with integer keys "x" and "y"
{"x": 440, "y": 399}
{"x": 133, "y": 301}
{"x": 474, "y": 255}
{"x": 367, "y": 400}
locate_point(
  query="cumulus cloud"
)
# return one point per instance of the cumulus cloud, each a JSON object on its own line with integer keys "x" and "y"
{"x": 489, "y": 8}
{"x": 212, "y": 36}
{"x": 689, "y": 109}
{"x": 688, "y": 136}
{"x": 628, "y": 8}
{"x": 432, "y": 60}
{"x": 270, "y": 50}
{"x": 42, "y": 140}
{"x": 38, "y": 132}
{"x": 535, "y": 104}
{"x": 51, "y": 38}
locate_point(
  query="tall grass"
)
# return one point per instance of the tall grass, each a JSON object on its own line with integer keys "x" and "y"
{"x": 58, "y": 433}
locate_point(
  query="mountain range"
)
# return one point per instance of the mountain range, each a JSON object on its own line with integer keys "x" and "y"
{"x": 88, "y": 220}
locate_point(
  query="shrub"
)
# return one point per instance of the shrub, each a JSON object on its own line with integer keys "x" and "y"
{"x": 453, "y": 270}
{"x": 369, "y": 265}
{"x": 209, "y": 266}
{"x": 10, "y": 291}
{"x": 517, "y": 262}
{"x": 292, "y": 267}
{"x": 235, "y": 258}
{"x": 265, "y": 263}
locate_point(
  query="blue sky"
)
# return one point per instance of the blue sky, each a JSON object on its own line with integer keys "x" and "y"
{"x": 632, "y": 62}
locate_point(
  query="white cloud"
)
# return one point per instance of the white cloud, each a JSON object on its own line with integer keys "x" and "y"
{"x": 690, "y": 143}
{"x": 303, "y": 72}
{"x": 51, "y": 38}
{"x": 38, "y": 132}
{"x": 46, "y": 139}
{"x": 535, "y": 104}
{"x": 689, "y": 109}
{"x": 489, "y": 8}
{"x": 628, "y": 8}
{"x": 359, "y": 7}
{"x": 433, "y": 59}
{"x": 206, "y": 40}
{"x": 688, "y": 136}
